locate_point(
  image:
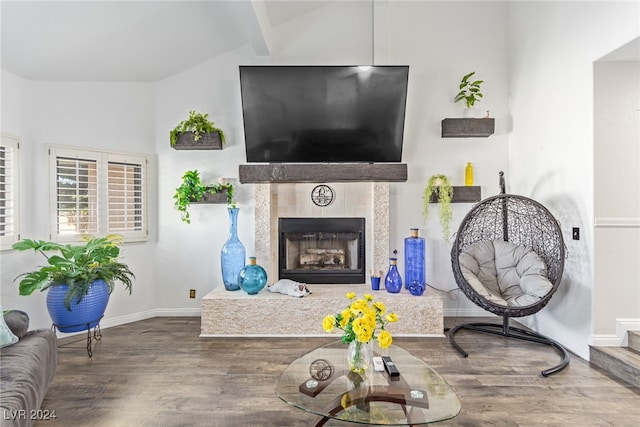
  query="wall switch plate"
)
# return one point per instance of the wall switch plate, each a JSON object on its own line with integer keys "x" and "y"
{"x": 576, "y": 233}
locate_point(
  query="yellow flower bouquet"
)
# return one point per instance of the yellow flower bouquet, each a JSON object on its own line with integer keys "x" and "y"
{"x": 362, "y": 321}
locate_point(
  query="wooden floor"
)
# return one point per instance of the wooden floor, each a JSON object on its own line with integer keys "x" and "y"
{"x": 158, "y": 372}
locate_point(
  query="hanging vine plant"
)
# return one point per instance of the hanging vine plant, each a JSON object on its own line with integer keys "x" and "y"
{"x": 440, "y": 187}
{"x": 192, "y": 189}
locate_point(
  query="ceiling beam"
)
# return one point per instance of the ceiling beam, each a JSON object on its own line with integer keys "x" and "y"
{"x": 257, "y": 26}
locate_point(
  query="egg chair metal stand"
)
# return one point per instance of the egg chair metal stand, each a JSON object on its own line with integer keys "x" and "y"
{"x": 523, "y": 222}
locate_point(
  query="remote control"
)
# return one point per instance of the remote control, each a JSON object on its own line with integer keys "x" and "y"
{"x": 378, "y": 364}
{"x": 391, "y": 368}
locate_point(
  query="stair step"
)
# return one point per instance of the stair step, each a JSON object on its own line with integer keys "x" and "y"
{"x": 634, "y": 340}
{"x": 620, "y": 362}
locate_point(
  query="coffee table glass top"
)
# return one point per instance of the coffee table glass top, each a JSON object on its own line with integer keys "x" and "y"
{"x": 320, "y": 383}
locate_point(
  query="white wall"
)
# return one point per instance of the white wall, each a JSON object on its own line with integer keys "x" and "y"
{"x": 109, "y": 116}
{"x": 616, "y": 197}
{"x": 441, "y": 42}
{"x": 188, "y": 255}
{"x": 551, "y": 143}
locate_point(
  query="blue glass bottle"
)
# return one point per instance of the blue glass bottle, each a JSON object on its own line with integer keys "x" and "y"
{"x": 414, "y": 269}
{"x": 393, "y": 281}
{"x": 252, "y": 277}
{"x": 233, "y": 254}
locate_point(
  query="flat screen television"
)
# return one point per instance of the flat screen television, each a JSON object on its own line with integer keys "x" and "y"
{"x": 323, "y": 113}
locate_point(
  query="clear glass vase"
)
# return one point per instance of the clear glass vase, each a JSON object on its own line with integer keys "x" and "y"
{"x": 359, "y": 356}
{"x": 233, "y": 254}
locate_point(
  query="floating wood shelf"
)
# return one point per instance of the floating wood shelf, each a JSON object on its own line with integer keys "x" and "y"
{"x": 322, "y": 172}
{"x": 462, "y": 194}
{"x": 468, "y": 128}
{"x": 207, "y": 141}
{"x": 215, "y": 198}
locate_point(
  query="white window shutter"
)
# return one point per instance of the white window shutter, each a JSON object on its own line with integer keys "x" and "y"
{"x": 76, "y": 196}
{"x": 9, "y": 191}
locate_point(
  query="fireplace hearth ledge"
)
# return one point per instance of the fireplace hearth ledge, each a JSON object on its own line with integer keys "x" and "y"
{"x": 237, "y": 314}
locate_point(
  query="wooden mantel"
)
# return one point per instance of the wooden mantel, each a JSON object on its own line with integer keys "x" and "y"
{"x": 322, "y": 172}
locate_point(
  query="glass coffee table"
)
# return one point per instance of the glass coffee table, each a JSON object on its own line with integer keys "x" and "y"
{"x": 320, "y": 383}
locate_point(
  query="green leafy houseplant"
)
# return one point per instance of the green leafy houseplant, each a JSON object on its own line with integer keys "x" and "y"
{"x": 198, "y": 124}
{"x": 440, "y": 186}
{"x": 469, "y": 90}
{"x": 192, "y": 189}
{"x": 76, "y": 266}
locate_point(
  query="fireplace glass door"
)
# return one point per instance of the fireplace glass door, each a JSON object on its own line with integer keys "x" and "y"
{"x": 322, "y": 250}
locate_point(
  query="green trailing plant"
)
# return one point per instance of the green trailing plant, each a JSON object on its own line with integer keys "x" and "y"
{"x": 192, "y": 189}
{"x": 440, "y": 186}
{"x": 198, "y": 124}
{"x": 469, "y": 90}
{"x": 76, "y": 266}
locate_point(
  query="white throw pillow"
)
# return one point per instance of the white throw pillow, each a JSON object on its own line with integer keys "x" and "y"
{"x": 505, "y": 273}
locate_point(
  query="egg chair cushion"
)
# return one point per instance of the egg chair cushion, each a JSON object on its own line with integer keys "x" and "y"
{"x": 504, "y": 273}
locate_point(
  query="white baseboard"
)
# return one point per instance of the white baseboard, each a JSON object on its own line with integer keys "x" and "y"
{"x": 467, "y": 312}
{"x": 178, "y": 312}
{"x": 142, "y": 315}
{"x": 620, "y": 338}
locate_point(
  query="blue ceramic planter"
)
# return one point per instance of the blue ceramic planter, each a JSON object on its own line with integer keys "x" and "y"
{"x": 83, "y": 316}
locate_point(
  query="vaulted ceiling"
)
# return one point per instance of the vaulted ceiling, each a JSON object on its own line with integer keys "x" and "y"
{"x": 132, "y": 41}
{"x": 143, "y": 40}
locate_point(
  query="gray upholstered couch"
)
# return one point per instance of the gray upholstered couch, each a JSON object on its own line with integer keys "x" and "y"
{"x": 26, "y": 370}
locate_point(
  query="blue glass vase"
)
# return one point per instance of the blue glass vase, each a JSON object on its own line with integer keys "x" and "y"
{"x": 252, "y": 277}
{"x": 393, "y": 281}
{"x": 233, "y": 254}
{"x": 414, "y": 269}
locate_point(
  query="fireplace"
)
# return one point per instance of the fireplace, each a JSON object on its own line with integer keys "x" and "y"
{"x": 322, "y": 250}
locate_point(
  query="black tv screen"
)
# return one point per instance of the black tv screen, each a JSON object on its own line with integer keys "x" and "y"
{"x": 323, "y": 113}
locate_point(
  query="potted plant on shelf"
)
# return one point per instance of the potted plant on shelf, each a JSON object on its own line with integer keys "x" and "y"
{"x": 468, "y": 126}
{"x": 194, "y": 190}
{"x": 79, "y": 279}
{"x": 439, "y": 190}
{"x": 469, "y": 91}
{"x": 196, "y": 133}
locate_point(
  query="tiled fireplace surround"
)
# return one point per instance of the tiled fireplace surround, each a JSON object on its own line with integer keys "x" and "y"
{"x": 272, "y": 314}
{"x": 368, "y": 200}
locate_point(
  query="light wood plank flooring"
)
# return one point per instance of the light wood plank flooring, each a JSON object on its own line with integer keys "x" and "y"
{"x": 158, "y": 372}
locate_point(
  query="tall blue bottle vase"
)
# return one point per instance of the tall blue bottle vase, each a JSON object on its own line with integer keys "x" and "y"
{"x": 414, "y": 261}
{"x": 233, "y": 254}
{"x": 393, "y": 280}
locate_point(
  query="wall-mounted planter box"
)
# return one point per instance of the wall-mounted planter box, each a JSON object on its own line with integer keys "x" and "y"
{"x": 461, "y": 194}
{"x": 468, "y": 128}
{"x": 207, "y": 141}
{"x": 219, "y": 198}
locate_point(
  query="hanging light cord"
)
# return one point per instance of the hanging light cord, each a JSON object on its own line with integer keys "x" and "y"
{"x": 373, "y": 50}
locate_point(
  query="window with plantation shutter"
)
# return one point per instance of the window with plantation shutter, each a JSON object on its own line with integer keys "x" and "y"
{"x": 9, "y": 194}
{"x": 98, "y": 193}
{"x": 77, "y": 196}
{"x": 125, "y": 197}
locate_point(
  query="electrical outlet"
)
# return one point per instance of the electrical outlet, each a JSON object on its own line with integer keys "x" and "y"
{"x": 576, "y": 233}
{"x": 192, "y": 293}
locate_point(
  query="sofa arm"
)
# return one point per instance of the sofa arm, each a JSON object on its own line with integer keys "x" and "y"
{"x": 26, "y": 370}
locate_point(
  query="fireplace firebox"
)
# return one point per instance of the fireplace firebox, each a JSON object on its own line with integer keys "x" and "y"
{"x": 322, "y": 250}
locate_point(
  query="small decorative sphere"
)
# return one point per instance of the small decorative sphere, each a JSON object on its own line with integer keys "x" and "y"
{"x": 252, "y": 277}
{"x": 416, "y": 288}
